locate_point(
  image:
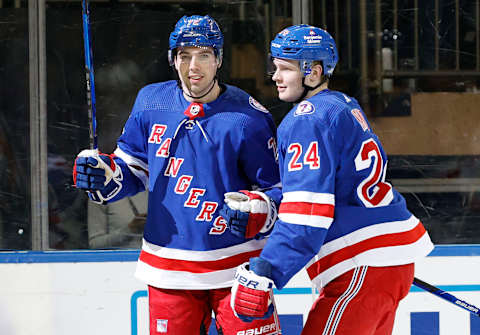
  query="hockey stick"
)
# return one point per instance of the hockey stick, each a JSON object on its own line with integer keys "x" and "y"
{"x": 275, "y": 315}
{"x": 89, "y": 76}
{"x": 447, "y": 296}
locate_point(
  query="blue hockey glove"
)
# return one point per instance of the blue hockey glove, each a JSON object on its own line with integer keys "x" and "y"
{"x": 252, "y": 291}
{"x": 249, "y": 214}
{"x": 98, "y": 174}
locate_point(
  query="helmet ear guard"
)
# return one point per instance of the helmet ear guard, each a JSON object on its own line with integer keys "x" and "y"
{"x": 220, "y": 57}
{"x": 170, "y": 55}
{"x": 306, "y": 66}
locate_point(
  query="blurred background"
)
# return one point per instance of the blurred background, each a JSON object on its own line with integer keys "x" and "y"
{"x": 412, "y": 64}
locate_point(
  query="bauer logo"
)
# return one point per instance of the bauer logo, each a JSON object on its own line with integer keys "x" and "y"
{"x": 268, "y": 329}
{"x": 246, "y": 282}
{"x": 258, "y": 106}
{"x": 162, "y": 326}
{"x": 305, "y": 107}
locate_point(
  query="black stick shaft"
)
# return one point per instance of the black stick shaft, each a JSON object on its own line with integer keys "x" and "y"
{"x": 89, "y": 74}
{"x": 446, "y": 296}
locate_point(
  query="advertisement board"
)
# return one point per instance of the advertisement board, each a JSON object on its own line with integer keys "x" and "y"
{"x": 94, "y": 292}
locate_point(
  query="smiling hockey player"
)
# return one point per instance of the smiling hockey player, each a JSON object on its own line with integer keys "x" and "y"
{"x": 188, "y": 142}
{"x": 338, "y": 215}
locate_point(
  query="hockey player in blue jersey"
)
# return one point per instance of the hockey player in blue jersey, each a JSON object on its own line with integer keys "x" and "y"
{"x": 188, "y": 142}
{"x": 338, "y": 217}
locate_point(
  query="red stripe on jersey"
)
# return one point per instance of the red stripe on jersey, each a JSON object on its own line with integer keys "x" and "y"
{"x": 196, "y": 266}
{"x": 307, "y": 208}
{"x": 381, "y": 241}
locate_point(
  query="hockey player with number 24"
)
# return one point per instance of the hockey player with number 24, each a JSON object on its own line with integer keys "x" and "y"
{"x": 188, "y": 142}
{"x": 338, "y": 217}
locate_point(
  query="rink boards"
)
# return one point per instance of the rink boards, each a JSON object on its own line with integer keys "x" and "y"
{"x": 94, "y": 292}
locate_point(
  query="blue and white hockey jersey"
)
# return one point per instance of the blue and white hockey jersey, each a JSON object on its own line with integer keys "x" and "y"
{"x": 187, "y": 155}
{"x": 337, "y": 211}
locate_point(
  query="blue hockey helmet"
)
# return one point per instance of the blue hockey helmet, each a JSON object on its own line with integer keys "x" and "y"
{"x": 306, "y": 44}
{"x": 196, "y": 31}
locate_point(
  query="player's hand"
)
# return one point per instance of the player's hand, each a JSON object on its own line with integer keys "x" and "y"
{"x": 252, "y": 291}
{"x": 98, "y": 174}
{"x": 249, "y": 213}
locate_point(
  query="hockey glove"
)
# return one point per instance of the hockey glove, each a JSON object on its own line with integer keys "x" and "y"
{"x": 98, "y": 174}
{"x": 252, "y": 291}
{"x": 249, "y": 213}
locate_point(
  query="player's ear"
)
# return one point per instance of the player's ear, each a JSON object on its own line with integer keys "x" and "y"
{"x": 318, "y": 70}
{"x": 316, "y": 74}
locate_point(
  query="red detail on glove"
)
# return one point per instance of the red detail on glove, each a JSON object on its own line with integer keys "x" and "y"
{"x": 251, "y": 195}
{"x": 110, "y": 160}
{"x": 113, "y": 166}
{"x": 256, "y": 220}
{"x": 251, "y": 302}
{"x": 74, "y": 173}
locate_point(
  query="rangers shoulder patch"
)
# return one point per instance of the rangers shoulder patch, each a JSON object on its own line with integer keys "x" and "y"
{"x": 258, "y": 106}
{"x": 305, "y": 107}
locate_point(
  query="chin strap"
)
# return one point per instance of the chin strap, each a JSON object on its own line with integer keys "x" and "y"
{"x": 306, "y": 88}
{"x": 209, "y": 90}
